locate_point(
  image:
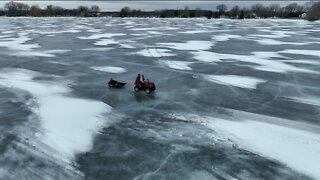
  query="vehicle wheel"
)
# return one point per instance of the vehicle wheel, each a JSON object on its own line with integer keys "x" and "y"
{"x": 136, "y": 89}
{"x": 148, "y": 91}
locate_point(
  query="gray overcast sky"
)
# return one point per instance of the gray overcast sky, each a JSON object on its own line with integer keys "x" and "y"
{"x": 150, "y": 5}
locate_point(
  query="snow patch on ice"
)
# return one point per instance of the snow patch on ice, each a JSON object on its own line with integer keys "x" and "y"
{"x": 94, "y": 30}
{"x": 302, "y": 52}
{"x": 18, "y": 43}
{"x": 105, "y": 42}
{"x": 143, "y": 29}
{"x": 263, "y": 61}
{"x": 195, "y": 32}
{"x": 127, "y": 46}
{"x": 155, "y": 53}
{"x": 97, "y": 49}
{"x": 109, "y": 69}
{"x": 155, "y": 32}
{"x": 136, "y": 34}
{"x": 19, "y": 48}
{"x": 315, "y": 101}
{"x": 225, "y": 37}
{"x": 268, "y": 54}
{"x": 297, "y": 148}
{"x": 264, "y": 36}
{"x": 205, "y": 56}
{"x": 67, "y": 123}
{"x": 99, "y": 36}
{"x": 48, "y": 53}
{"x": 309, "y": 62}
{"x": 234, "y": 80}
{"x": 189, "y": 45}
{"x": 275, "y": 42}
{"x": 178, "y": 65}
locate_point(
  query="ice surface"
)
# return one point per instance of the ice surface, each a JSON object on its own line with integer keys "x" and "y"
{"x": 143, "y": 29}
{"x": 155, "y": 53}
{"x": 262, "y": 59}
{"x": 68, "y": 123}
{"x": 8, "y": 32}
{"x": 94, "y": 30}
{"x": 127, "y": 46}
{"x": 268, "y": 55}
{"x": 110, "y": 69}
{"x": 139, "y": 34}
{"x": 264, "y": 36}
{"x": 48, "y": 53}
{"x": 200, "y": 51}
{"x": 178, "y": 65}
{"x": 194, "y": 31}
{"x": 189, "y": 45}
{"x": 238, "y": 81}
{"x": 278, "y": 34}
{"x": 225, "y": 37}
{"x": 99, "y": 36}
{"x": 105, "y": 42}
{"x": 276, "y": 42}
{"x": 315, "y": 101}
{"x": 205, "y": 56}
{"x": 97, "y": 49}
{"x": 155, "y": 32}
{"x": 18, "y": 43}
{"x": 302, "y": 52}
{"x": 311, "y": 62}
{"x": 4, "y": 36}
{"x": 298, "y": 149}
{"x": 57, "y": 32}
{"x": 21, "y": 49}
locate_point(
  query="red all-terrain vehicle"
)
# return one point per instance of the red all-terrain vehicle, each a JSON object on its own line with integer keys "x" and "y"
{"x": 146, "y": 85}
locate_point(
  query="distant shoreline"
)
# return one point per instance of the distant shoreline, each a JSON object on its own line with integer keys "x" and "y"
{"x": 258, "y": 11}
{"x": 110, "y": 17}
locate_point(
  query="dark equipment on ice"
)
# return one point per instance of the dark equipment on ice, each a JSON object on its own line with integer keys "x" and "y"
{"x": 141, "y": 84}
{"x": 116, "y": 84}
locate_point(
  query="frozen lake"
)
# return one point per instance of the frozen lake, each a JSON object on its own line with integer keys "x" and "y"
{"x": 235, "y": 99}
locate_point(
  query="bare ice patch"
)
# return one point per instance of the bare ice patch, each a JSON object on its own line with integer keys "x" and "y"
{"x": 110, "y": 69}
{"x": 67, "y": 123}
{"x": 178, "y": 65}
{"x": 155, "y": 52}
{"x": 189, "y": 45}
{"x": 237, "y": 81}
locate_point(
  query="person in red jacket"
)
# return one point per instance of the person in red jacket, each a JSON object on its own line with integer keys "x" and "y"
{"x": 138, "y": 81}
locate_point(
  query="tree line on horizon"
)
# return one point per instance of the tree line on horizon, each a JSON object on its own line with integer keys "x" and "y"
{"x": 293, "y": 10}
